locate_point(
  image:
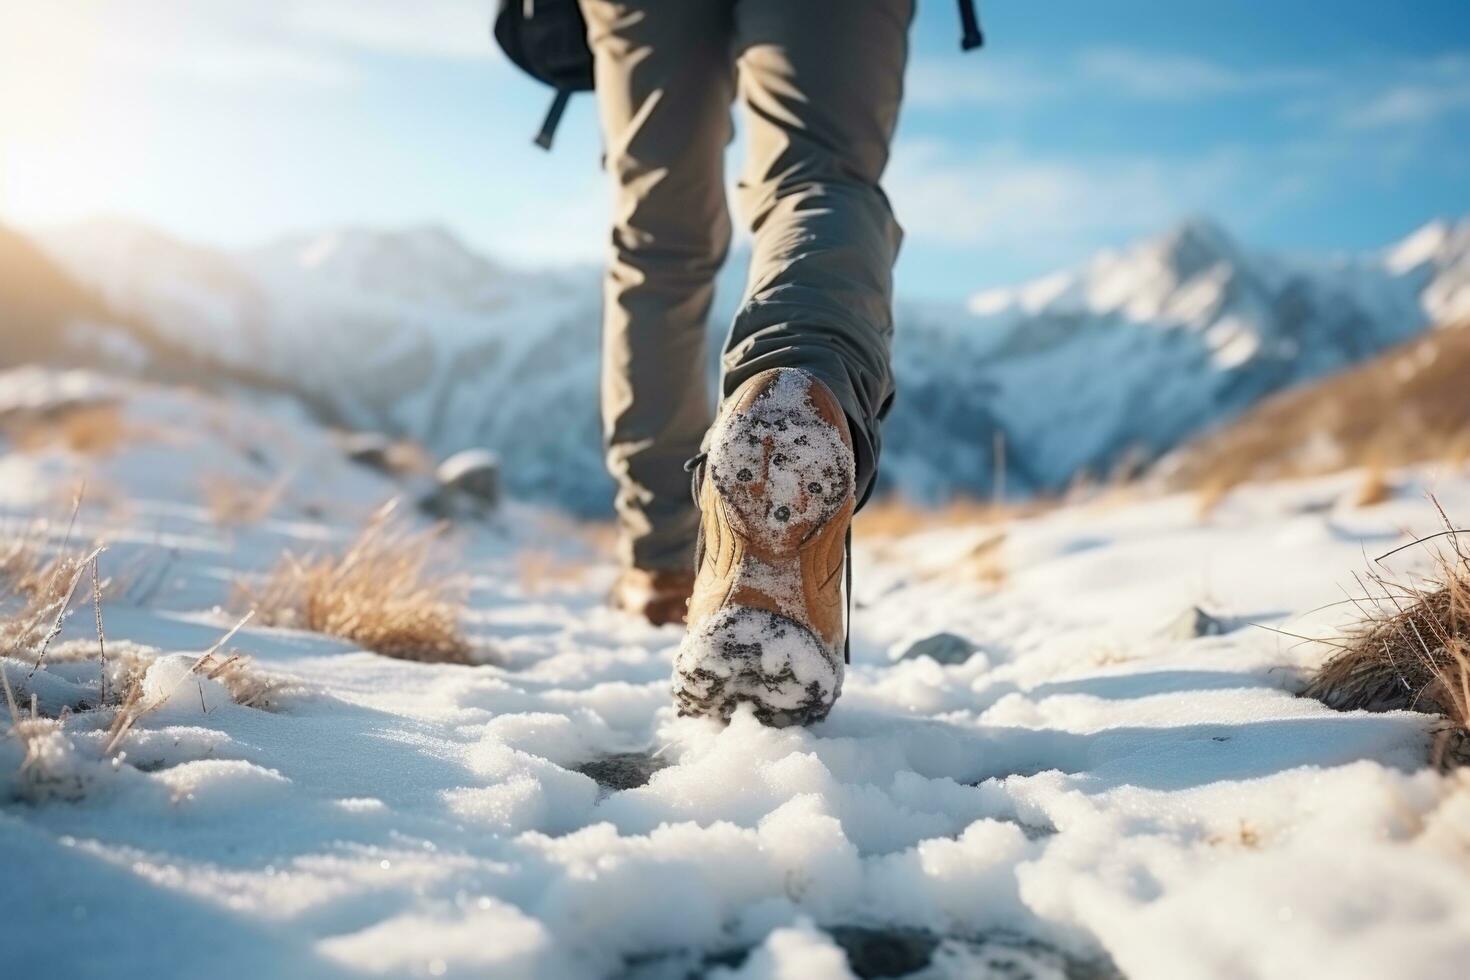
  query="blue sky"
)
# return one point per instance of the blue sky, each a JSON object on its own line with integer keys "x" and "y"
{"x": 1301, "y": 125}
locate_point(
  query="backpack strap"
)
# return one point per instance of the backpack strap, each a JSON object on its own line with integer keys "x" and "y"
{"x": 970, "y": 35}
{"x": 553, "y": 119}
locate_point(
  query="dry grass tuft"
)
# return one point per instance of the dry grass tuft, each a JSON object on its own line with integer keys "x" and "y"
{"x": 38, "y": 591}
{"x": 91, "y": 429}
{"x": 19, "y": 560}
{"x": 247, "y": 685}
{"x": 380, "y": 594}
{"x": 1209, "y": 495}
{"x": 893, "y": 517}
{"x": 985, "y": 562}
{"x": 233, "y": 502}
{"x": 1411, "y": 651}
{"x": 1376, "y": 487}
{"x": 233, "y": 670}
{"x": 125, "y": 664}
{"x": 45, "y": 587}
{"x": 49, "y": 768}
{"x": 540, "y": 570}
{"x": 1245, "y": 835}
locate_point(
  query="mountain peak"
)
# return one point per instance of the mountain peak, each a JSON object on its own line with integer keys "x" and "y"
{"x": 1424, "y": 244}
{"x": 351, "y": 242}
{"x": 1196, "y": 244}
{"x": 375, "y": 259}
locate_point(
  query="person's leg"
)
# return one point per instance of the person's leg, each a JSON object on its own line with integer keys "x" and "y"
{"x": 665, "y": 82}
{"x": 820, "y": 84}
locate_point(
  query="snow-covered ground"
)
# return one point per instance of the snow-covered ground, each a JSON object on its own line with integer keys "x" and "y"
{"x": 1095, "y": 791}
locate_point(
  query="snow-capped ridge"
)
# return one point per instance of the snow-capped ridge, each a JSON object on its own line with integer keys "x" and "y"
{"x": 413, "y": 332}
{"x": 344, "y": 251}
{"x": 1138, "y": 281}
{"x": 1419, "y": 247}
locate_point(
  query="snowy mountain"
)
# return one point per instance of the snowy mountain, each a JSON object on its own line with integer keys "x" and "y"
{"x": 412, "y": 332}
{"x": 408, "y": 332}
{"x": 1111, "y": 364}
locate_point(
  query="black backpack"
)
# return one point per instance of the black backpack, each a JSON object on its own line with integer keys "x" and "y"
{"x": 547, "y": 39}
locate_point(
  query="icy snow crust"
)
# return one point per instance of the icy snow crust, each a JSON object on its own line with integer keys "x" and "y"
{"x": 1085, "y": 793}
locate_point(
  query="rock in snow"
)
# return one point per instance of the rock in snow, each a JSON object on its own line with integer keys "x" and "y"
{"x": 371, "y": 449}
{"x": 467, "y": 486}
{"x": 943, "y": 648}
{"x": 1195, "y": 622}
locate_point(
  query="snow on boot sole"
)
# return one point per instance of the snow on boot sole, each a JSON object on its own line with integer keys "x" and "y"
{"x": 766, "y": 617}
{"x": 752, "y": 656}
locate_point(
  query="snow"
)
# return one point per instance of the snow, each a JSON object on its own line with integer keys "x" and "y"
{"x": 1088, "y": 792}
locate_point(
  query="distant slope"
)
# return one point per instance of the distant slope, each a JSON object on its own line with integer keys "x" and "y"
{"x": 407, "y": 332}
{"x": 48, "y": 317}
{"x": 410, "y": 331}
{"x": 1408, "y": 405}
{"x": 39, "y": 303}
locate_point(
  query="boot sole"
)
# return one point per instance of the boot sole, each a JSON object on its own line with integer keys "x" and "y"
{"x": 752, "y": 656}
{"x": 746, "y": 652}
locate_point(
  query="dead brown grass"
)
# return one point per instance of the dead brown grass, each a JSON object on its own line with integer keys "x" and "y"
{"x": 1411, "y": 650}
{"x": 985, "y": 563}
{"x": 1408, "y": 405}
{"x": 383, "y": 593}
{"x": 893, "y": 517}
{"x": 237, "y": 503}
{"x": 19, "y": 559}
{"x": 1375, "y": 488}
{"x": 40, "y": 588}
{"x": 1245, "y": 835}
{"x": 1210, "y": 495}
{"x": 233, "y": 670}
{"x": 90, "y": 429}
{"x": 541, "y": 570}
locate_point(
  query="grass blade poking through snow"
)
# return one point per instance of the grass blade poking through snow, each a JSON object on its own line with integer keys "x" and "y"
{"x": 382, "y": 593}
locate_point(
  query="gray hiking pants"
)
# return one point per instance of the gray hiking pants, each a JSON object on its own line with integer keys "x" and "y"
{"x": 819, "y": 84}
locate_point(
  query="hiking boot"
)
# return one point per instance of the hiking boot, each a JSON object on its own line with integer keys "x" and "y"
{"x": 658, "y": 596}
{"x": 775, "y": 491}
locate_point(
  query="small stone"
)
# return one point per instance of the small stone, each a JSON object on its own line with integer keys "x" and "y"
{"x": 943, "y": 648}
{"x": 475, "y": 472}
{"x": 468, "y": 486}
{"x": 622, "y": 770}
{"x": 1194, "y": 622}
{"x": 371, "y": 449}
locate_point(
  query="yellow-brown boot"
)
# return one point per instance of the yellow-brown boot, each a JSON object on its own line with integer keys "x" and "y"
{"x": 658, "y": 596}
{"x": 766, "y": 620}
